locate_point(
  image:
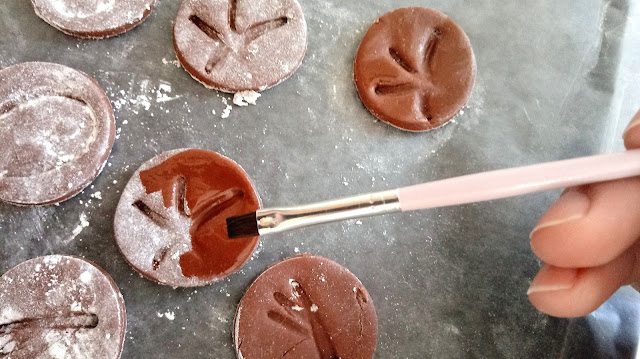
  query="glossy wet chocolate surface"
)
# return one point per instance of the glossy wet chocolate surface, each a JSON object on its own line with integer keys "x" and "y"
{"x": 170, "y": 222}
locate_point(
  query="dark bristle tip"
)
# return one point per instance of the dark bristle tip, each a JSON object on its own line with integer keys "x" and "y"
{"x": 242, "y": 226}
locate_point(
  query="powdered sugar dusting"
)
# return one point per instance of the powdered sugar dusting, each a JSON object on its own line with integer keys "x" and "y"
{"x": 250, "y": 63}
{"x": 93, "y": 18}
{"x": 137, "y": 231}
{"x": 85, "y": 277}
{"x": 61, "y": 295}
{"x": 9, "y": 314}
{"x": 82, "y": 10}
{"x": 57, "y": 349}
{"x": 59, "y": 123}
{"x": 155, "y": 235}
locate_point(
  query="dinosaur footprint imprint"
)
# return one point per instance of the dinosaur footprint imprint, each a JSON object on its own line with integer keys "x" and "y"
{"x": 415, "y": 69}
{"x": 301, "y": 317}
{"x": 163, "y": 220}
{"x": 420, "y": 82}
{"x": 207, "y": 208}
{"x": 224, "y": 46}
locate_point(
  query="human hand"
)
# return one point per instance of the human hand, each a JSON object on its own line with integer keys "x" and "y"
{"x": 589, "y": 241}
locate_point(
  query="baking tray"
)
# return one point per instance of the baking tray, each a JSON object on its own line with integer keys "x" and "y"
{"x": 555, "y": 80}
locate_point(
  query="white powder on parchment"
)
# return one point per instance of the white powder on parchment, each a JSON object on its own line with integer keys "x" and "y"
{"x": 164, "y": 89}
{"x": 168, "y": 314}
{"x": 175, "y": 63}
{"x": 140, "y": 94}
{"x": 227, "y": 110}
{"x": 245, "y": 98}
{"x": 84, "y": 223}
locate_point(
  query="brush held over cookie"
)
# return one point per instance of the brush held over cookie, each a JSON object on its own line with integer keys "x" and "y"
{"x": 448, "y": 192}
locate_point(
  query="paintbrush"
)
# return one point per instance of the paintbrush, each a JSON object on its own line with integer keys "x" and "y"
{"x": 453, "y": 191}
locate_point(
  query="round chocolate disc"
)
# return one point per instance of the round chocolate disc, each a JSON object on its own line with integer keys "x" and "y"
{"x": 93, "y": 18}
{"x": 170, "y": 223}
{"x": 415, "y": 69}
{"x": 306, "y": 307}
{"x": 60, "y": 307}
{"x": 240, "y": 45}
{"x": 56, "y": 128}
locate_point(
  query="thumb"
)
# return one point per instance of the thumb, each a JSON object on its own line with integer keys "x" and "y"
{"x": 631, "y": 135}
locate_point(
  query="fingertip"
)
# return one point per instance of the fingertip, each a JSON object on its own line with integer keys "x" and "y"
{"x": 551, "y": 293}
{"x": 572, "y": 245}
{"x": 570, "y": 292}
{"x": 551, "y": 279}
{"x": 557, "y": 305}
{"x": 631, "y": 135}
{"x": 590, "y": 226}
{"x": 560, "y": 223}
{"x": 572, "y": 205}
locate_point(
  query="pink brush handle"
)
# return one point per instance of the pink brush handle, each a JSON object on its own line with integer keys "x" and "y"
{"x": 520, "y": 180}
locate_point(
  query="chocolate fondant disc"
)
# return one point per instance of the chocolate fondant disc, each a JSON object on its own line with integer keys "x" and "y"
{"x": 60, "y": 307}
{"x": 170, "y": 223}
{"x": 93, "y": 18}
{"x": 239, "y": 45}
{"x": 415, "y": 69}
{"x": 306, "y": 307}
{"x": 57, "y": 129}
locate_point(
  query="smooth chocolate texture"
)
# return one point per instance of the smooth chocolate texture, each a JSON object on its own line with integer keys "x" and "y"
{"x": 57, "y": 129}
{"x": 170, "y": 223}
{"x": 415, "y": 69}
{"x": 60, "y": 307}
{"x": 239, "y": 45}
{"x": 93, "y": 18}
{"x": 306, "y": 307}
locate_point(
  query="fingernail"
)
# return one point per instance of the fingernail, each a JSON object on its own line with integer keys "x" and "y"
{"x": 571, "y": 206}
{"x": 553, "y": 279}
{"x": 633, "y": 124}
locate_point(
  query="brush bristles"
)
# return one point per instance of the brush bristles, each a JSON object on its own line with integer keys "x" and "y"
{"x": 242, "y": 226}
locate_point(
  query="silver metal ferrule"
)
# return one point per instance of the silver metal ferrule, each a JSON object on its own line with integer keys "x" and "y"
{"x": 274, "y": 220}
